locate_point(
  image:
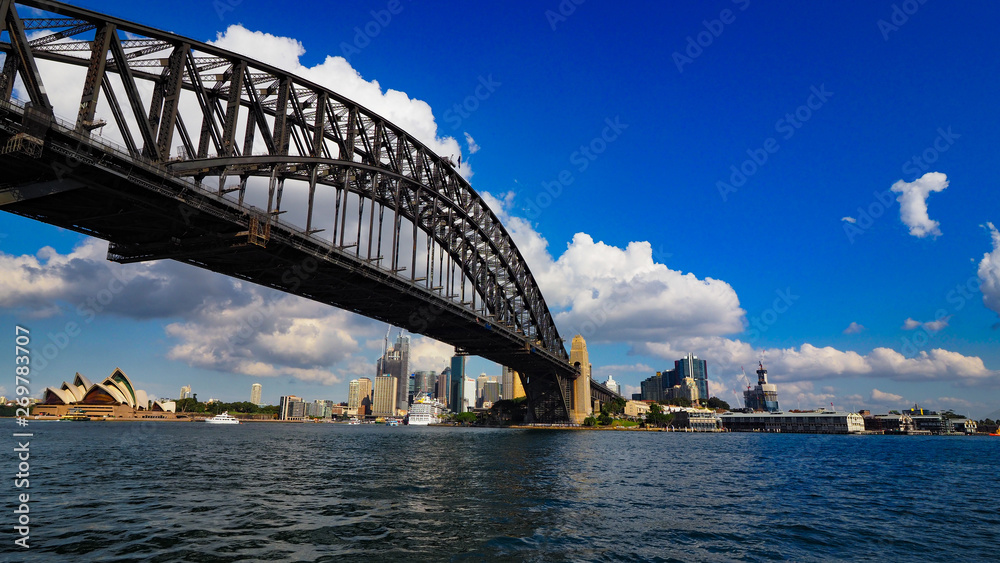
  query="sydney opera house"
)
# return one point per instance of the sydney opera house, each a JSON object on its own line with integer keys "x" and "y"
{"x": 115, "y": 398}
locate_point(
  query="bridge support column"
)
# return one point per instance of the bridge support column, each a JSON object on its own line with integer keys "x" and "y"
{"x": 582, "y": 406}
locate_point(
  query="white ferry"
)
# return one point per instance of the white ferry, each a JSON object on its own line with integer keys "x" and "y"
{"x": 224, "y": 418}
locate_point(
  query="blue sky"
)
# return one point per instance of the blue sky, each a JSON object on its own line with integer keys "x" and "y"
{"x": 607, "y": 140}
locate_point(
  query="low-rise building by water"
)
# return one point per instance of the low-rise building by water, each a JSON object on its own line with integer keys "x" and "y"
{"x": 813, "y": 422}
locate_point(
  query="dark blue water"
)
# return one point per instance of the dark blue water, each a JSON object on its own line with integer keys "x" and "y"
{"x": 322, "y": 492}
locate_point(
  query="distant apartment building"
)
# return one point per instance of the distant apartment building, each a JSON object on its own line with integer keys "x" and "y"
{"x": 291, "y": 407}
{"x": 610, "y": 383}
{"x": 456, "y": 393}
{"x": 395, "y": 362}
{"x": 384, "y": 396}
{"x": 695, "y": 369}
{"x": 255, "y": 391}
{"x": 359, "y": 397}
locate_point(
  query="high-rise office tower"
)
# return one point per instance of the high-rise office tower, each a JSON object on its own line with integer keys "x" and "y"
{"x": 457, "y": 381}
{"x": 443, "y": 385}
{"x": 291, "y": 407}
{"x": 697, "y": 370}
{"x": 255, "y": 391}
{"x": 468, "y": 394}
{"x": 511, "y": 387}
{"x": 384, "y": 400}
{"x": 185, "y": 392}
{"x": 613, "y": 385}
{"x": 395, "y": 361}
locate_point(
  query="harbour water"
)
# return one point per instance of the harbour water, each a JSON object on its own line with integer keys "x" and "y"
{"x": 321, "y": 492}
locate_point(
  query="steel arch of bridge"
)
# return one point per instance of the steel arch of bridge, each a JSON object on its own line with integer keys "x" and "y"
{"x": 310, "y": 135}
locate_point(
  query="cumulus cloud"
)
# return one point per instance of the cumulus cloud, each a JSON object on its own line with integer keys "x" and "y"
{"x": 913, "y": 202}
{"x": 885, "y": 398}
{"x": 471, "y": 143}
{"x": 854, "y": 328}
{"x": 930, "y": 326}
{"x": 989, "y": 272}
{"x": 613, "y": 294}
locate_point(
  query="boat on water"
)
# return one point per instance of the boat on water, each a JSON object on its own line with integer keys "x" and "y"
{"x": 224, "y": 418}
{"x": 75, "y": 415}
{"x": 392, "y": 422}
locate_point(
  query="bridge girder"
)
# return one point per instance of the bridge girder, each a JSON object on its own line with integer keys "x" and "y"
{"x": 308, "y": 134}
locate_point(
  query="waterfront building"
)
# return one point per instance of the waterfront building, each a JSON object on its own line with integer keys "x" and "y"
{"x": 359, "y": 396}
{"x": 425, "y": 410}
{"x": 692, "y": 367}
{"x": 185, "y": 392}
{"x": 636, "y": 409}
{"x": 384, "y": 397}
{"x": 255, "y": 391}
{"x": 964, "y": 426}
{"x": 395, "y": 362}
{"x": 291, "y": 407}
{"x": 115, "y": 397}
{"x": 814, "y": 422}
{"x": 763, "y": 397}
{"x": 457, "y": 380}
{"x": 890, "y": 424}
{"x": 697, "y": 419}
{"x": 613, "y": 385}
{"x": 581, "y": 398}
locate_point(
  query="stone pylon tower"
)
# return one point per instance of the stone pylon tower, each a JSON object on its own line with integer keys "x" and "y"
{"x": 582, "y": 406}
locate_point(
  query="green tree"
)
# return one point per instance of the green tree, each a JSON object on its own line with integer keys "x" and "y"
{"x": 717, "y": 403}
{"x": 657, "y": 418}
{"x": 590, "y": 421}
{"x": 604, "y": 419}
{"x": 613, "y": 407}
{"x": 465, "y": 417}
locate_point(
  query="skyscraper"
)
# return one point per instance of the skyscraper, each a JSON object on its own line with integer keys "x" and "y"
{"x": 185, "y": 392}
{"x": 457, "y": 381}
{"x": 395, "y": 362}
{"x": 697, "y": 370}
{"x": 443, "y": 385}
{"x": 255, "y": 391}
{"x": 613, "y": 385}
{"x": 468, "y": 394}
{"x": 384, "y": 400}
{"x": 359, "y": 397}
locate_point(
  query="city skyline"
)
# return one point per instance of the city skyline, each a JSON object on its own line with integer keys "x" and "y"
{"x": 811, "y": 190}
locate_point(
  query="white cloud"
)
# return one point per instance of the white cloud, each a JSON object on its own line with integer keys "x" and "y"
{"x": 854, "y": 328}
{"x": 929, "y": 326}
{"x": 613, "y": 294}
{"x": 473, "y": 146}
{"x": 885, "y": 398}
{"x": 849, "y": 219}
{"x": 989, "y": 272}
{"x": 913, "y": 202}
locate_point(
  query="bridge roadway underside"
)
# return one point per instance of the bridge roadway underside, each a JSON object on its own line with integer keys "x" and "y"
{"x": 147, "y": 215}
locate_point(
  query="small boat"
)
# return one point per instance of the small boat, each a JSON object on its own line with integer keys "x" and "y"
{"x": 224, "y": 418}
{"x": 392, "y": 422}
{"x": 75, "y": 415}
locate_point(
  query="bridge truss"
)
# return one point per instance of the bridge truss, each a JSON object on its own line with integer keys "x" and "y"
{"x": 382, "y": 225}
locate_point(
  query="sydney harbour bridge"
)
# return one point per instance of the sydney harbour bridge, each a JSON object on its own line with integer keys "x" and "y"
{"x": 228, "y": 164}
